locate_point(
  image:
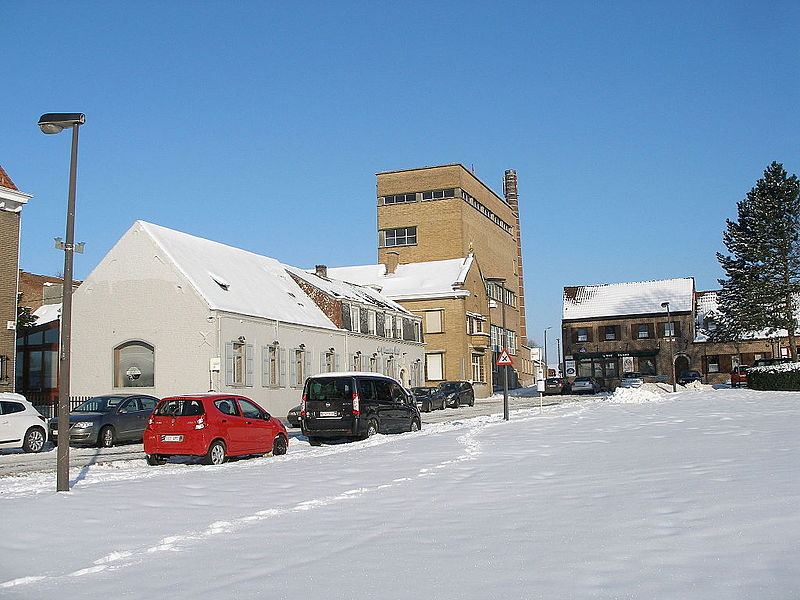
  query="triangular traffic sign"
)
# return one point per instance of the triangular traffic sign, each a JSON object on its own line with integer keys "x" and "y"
{"x": 504, "y": 358}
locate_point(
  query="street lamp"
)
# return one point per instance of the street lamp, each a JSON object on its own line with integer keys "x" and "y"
{"x": 502, "y": 282}
{"x": 671, "y": 345}
{"x": 545, "y": 351}
{"x": 55, "y": 123}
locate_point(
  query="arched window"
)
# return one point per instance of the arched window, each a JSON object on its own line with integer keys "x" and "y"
{"x": 134, "y": 365}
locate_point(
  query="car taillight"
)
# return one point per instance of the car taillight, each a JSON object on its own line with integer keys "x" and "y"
{"x": 201, "y": 423}
{"x": 356, "y": 406}
{"x": 303, "y": 407}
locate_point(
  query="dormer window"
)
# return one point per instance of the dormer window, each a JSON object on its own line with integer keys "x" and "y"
{"x": 220, "y": 281}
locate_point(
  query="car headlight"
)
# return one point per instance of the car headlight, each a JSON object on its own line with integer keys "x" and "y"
{"x": 84, "y": 425}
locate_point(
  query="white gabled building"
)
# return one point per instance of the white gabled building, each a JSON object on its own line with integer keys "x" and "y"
{"x": 169, "y": 313}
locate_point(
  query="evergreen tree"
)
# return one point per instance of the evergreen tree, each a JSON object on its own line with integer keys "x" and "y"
{"x": 763, "y": 268}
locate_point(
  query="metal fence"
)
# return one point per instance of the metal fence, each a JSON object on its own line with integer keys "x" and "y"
{"x": 47, "y": 405}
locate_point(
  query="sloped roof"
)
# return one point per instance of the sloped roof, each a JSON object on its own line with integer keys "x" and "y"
{"x": 5, "y": 180}
{"x": 346, "y": 291}
{"x": 47, "y": 313}
{"x": 431, "y": 279}
{"x": 620, "y": 299}
{"x": 235, "y": 280}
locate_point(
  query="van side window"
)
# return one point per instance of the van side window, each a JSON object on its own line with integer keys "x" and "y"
{"x": 398, "y": 395}
{"x": 366, "y": 390}
{"x": 383, "y": 389}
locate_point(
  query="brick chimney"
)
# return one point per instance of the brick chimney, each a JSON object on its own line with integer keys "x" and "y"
{"x": 392, "y": 260}
{"x": 321, "y": 271}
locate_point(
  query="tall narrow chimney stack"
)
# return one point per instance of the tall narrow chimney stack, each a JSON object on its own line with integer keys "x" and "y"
{"x": 321, "y": 271}
{"x": 392, "y": 260}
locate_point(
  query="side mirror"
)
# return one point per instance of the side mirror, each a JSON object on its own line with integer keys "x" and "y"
{"x": 267, "y": 416}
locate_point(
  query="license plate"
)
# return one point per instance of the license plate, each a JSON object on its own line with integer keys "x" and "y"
{"x": 171, "y": 438}
{"x": 328, "y": 413}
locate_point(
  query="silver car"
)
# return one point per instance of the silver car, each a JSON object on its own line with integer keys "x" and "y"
{"x": 632, "y": 379}
{"x": 585, "y": 385}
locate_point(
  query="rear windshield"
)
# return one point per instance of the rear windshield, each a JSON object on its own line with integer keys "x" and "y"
{"x": 631, "y": 375}
{"x": 581, "y": 379}
{"x": 330, "y": 388}
{"x": 553, "y": 381}
{"x": 179, "y": 407}
{"x": 449, "y": 386}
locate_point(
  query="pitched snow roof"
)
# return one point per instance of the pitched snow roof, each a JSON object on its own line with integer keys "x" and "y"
{"x": 235, "y": 280}
{"x": 431, "y": 279}
{"x": 47, "y": 313}
{"x": 346, "y": 291}
{"x": 620, "y": 299}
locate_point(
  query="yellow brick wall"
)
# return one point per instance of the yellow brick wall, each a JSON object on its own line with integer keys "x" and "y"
{"x": 9, "y": 263}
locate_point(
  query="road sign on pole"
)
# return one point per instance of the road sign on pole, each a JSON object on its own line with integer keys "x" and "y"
{"x": 504, "y": 359}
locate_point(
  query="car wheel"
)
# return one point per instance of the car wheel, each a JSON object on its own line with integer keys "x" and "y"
{"x": 106, "y": 437}
{"x": 34, "y": 440}
{"x": 215, "y": 454}
{"x": 314, "y": 441}
{"x": 372, "y": 428}
{"x": 155, "y": 460}
{"x": 279, "y": 446}
{"x": 414, "y": 425}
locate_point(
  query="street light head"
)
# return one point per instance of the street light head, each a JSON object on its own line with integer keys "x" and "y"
{"x": 56, "y": 122}
{"x": 665, "y": 305}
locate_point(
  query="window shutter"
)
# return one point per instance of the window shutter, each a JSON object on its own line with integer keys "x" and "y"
{"x": 264, "y": 366}
{"x": 336, "y": 362}
{"x": 322, "y": 364}
{"x": 380, "y": 324}
{"x": 381, "y": 239}
{"x": 292, "y": 368}
{"x": 282, "y": 366}
{"x": 306, "y": 364}
{"x": 248, "y": 359}
{"x": 677, "y": 328}
{"x": 346, "y": 317}
{"x": 229, "y": 364}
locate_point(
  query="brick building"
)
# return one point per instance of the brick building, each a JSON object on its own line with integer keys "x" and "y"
{"x": 446, "y": 213}
{"x": 11, "y": 203}
{"x": 613, "y": 328}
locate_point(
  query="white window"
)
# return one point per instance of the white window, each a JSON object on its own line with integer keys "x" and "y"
{"x": 299, "y": 367}
{"x": 238, "y": 364}
{"x": 271, "y": 368}
{"x": 434, "y": 367}
{"x": 357, "y": 361}
{"x": 402, "y": 236}
{"x": 478, "y": 373}
{"x": 371, "y": 322}
{"x": 398, "y": 328}
{"x": 373, "y": 364}
{"x": 388, "y": 326}
{"x": 434, "y": 321}
{"x": 355, "y": 318}
{"x": 669, "y": 329}
{"x": 512, "y": 342}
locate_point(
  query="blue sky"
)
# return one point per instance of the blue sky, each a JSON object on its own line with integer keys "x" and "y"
{"x": 634, "y": 127}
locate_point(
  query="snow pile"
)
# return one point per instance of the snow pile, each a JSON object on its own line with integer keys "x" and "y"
{"x": 633, "y": 396}
{"x": 657, "y": 388}
{"x": 781, "y": 368}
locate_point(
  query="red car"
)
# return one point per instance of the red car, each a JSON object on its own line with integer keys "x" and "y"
{"x": 213, "y": 426}
{"x": 739, "y": 376}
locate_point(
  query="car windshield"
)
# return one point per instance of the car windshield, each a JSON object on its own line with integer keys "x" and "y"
{"x": 631, "y": 375}
{"x": 449, "y": 386}
{"x": 691, "y": 373}
{"x": 100, "y": 404}
{"x": 422, "y": 391}
{"x": 581, "y": 379}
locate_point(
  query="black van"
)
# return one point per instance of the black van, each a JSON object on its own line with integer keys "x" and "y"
{"x": 356, "y": 406}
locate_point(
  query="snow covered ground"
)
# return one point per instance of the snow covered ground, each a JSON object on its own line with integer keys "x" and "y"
{"x": 642, "y": 495}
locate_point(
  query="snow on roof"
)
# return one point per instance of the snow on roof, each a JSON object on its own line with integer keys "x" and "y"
{"x": 635, "y": 298}
{"x": 347, "y": 291}
{"x": 47, "y": 313}
{"x": 431, "y": 279}
{"x": 235, "y": 280}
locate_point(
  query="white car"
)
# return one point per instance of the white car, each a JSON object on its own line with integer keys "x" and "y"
{"x": 21, "y": 425}
{"x": 631, "y": 380}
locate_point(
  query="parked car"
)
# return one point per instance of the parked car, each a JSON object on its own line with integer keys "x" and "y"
{"x": 356, "y": 406}
{"x": 293, "y": 416}
{"x": 585, "y": 385}
{"x": 768, "y": 362}
{"x": 457, "y": 393}
{"x": 429, "y": 398}
{"x": 212, "y": 426}
{"x": 555, "y": 386}
{"x": 21, "y": 425}
{"x": 690, "y": 376}
{"x": 631, "y": 379}
{"x": 105, "y": 420}
{"x": 739, "y": 376}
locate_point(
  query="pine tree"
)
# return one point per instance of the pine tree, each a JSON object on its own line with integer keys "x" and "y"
{"x": 763, "y": 268}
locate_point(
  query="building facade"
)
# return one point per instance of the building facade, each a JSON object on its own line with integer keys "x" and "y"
{"x": 443, "y": 213}
{"x": 11, "y": 204}
{"x": 168, "y": 313}
{"x": 658, "y": 328}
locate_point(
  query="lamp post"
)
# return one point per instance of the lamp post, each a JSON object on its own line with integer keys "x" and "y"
{"x": 558, "y": 357}
{"x": 671, "y": 345}
{"x": 545, "y": 351}
{"x": 502, "y": 282}
{"x": 55, "y": 123}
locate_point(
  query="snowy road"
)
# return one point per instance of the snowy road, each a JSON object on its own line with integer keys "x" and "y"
{"x": 15, "y": 462}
